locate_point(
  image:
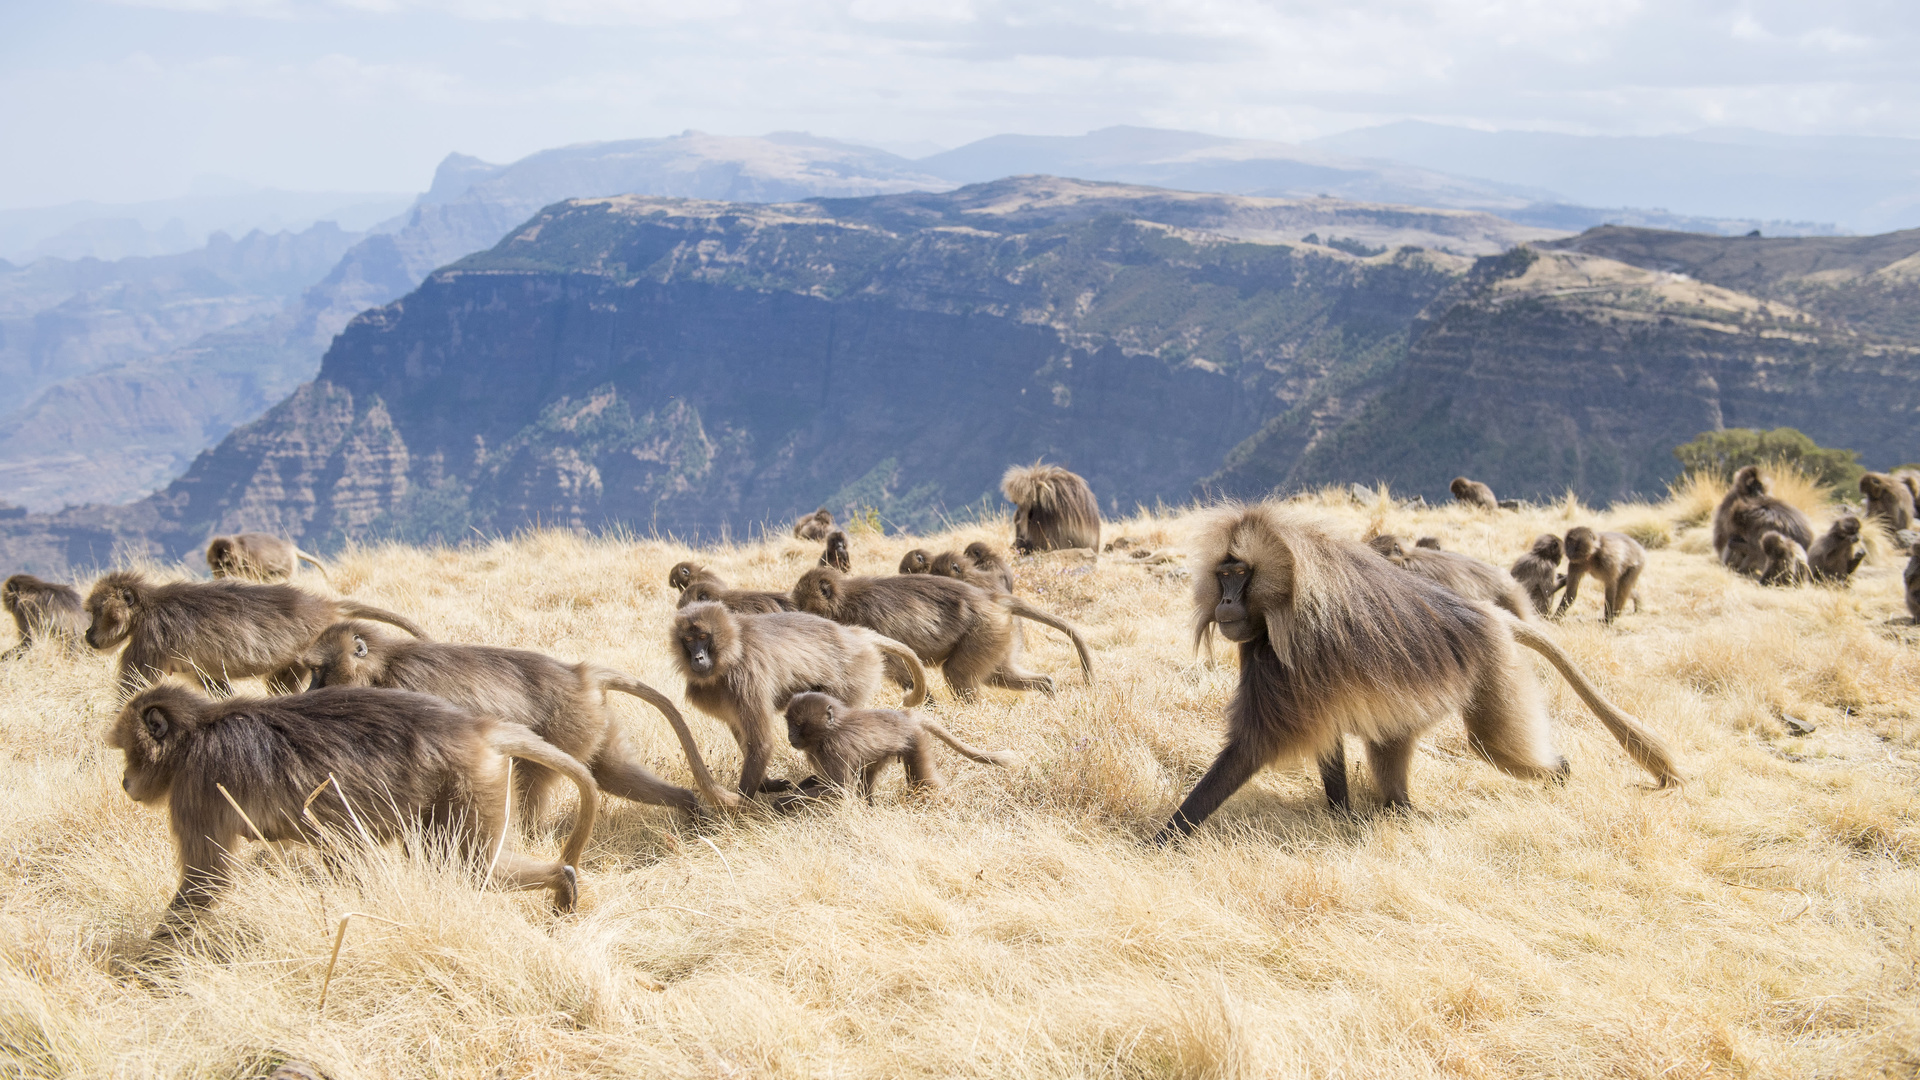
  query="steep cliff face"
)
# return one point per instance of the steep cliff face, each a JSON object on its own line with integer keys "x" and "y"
{"x": 694, "y": 367}
{"x": 701, "y": 367}
{"x": 1564, "y": 370}
{"x": 705, "y": 367}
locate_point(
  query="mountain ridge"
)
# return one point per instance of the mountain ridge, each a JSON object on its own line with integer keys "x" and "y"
{"x": 703, "y": 368}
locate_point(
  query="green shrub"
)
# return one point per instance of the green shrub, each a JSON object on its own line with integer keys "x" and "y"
{"x": 1720, "y": 453}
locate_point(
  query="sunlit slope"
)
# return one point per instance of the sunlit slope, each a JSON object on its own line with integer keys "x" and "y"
{"x": 1757, "y": 922}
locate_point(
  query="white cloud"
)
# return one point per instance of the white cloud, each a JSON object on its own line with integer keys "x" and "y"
{"x": 369, "y": 93}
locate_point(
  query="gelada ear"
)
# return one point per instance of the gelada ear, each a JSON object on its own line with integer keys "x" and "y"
{"x": 156, "y": 722}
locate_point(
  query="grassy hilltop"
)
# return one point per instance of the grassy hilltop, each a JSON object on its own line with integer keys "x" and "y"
{"x": 1760, "y": 921}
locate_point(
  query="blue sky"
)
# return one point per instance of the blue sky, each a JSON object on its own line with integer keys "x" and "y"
{"x": 128, "y": 101}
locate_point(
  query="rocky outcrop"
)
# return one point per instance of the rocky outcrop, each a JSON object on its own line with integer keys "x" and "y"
{"x": 1564, "y": 371}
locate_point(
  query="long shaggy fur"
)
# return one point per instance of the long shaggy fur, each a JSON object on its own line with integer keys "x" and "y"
{"x": 1464, "y": 574}
{"x": 1053, "y": 508}
{"x": 257, "y": 555}
{"x": 1746, "y": 514}
{"x": 1538, "y": 572}
{"x": 215, "y": 631}
{"x": 963, "y": 628}
{"x": 338, "y": 762}
{"x": 1343, "y": 643}
{"x": 1889, "y": 500}
{"x": 43, "y": 611}
{"x": 758, "y": 662}
{"x": 1839, "y": 551}
{"x": 1786, "y": 561}
{"x": 562, "y": 703}
{"x": 703, "y": 586}
{"x": 1616, "y": 559}
{"x": 1473, "y": 493}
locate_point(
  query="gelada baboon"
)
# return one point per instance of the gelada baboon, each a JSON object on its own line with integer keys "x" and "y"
{"x": 1538, "y": 572}
{"x": 43, "y": 611}
{"x": 916, "y": 561}
{"x": 565, "y": 704}
{"x": 849, "y": 748}
{"x": 1786, "y": 560}
{"x": 1464, "y": 574}
{"x": 1748, "y": 512}
{"x": 1335, "y": 641}
{"x": 1838, "y": 553}
{"x": 706, "y": 587}
{"x": 837, "y": 554}
{"x": 963, "y": 628}
{"x": 215, "y": 631}
{"x": 814, "y": 526}
{"x": 330, "y": 766}
{"x": 257, "y": 555}
{"x": 990, "y": 562}
{"x": 683, "y": 574}
{"x": 1890, "y": 500}
{"x": 1616, "y": 559}
{"x": 1473, "y": 493}
{"x": 978, "y": 564}
{"x": 1052, "y": 509}
{"x": 743, "y": 668}
{"x": 1910, "y": 577}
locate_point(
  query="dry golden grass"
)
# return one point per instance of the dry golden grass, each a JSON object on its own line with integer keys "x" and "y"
{"x": 1759, "y": 922}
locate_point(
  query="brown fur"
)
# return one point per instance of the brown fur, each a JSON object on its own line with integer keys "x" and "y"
{"x": 1473, "y": 493}
{"x": 743, "y": 668}
{"x": 814, "y": 526}
{"x": 683, "y": 574}
{"x": 1747, "y": 513}
{"x": 849, "y": 748}
{"x": 1334, "y": 641}
{"x": 705, "y": 587}
{"x": 43, "y": 611}
{"x": 991, "y": 563}
{"x": 916, "y": 561}
{"x": 1910, "y": 578}
{"x": 1464, "y": 574}
{"x": 963, "y": 628}
{"x": 1538, "y": 572}
{"x": 1786, "y": 560}
{"x": 215, "y": 631}
{"x": 341, "y": 762}
{"x": 1053, "y": 508}
{"x": 1616, "y": 559}
{"x": 565, "y": 704}
{"x": 1432, "y": 542}
{"x": 1889, "y": 501}
{"x": 981, "y": 566}
{"x": 836, "y": 555}
{"x": 258, "y": 556}
{"x": 1839, "y": 551}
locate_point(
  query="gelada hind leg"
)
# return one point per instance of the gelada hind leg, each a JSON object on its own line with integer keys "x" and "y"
{"x": 1507, "y": 721}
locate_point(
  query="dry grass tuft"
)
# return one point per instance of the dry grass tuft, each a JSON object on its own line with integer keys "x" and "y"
{"x": 1759, "y": 922}
{"x": 1798, "y": 489}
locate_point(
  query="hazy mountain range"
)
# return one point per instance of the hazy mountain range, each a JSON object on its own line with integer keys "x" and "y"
{"x": 123, "y": 374}
{"x": 701, "y": 366}
{"x": 92, "y": 230}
